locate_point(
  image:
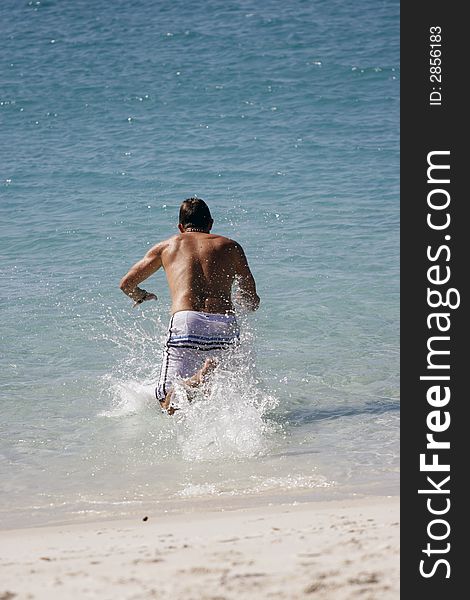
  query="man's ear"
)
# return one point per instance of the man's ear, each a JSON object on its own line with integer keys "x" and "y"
{"x": 181, "y": 228}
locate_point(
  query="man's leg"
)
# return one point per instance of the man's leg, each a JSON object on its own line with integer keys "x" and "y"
{"x": 196, "y": 380}
{"x": 200, "y": 376}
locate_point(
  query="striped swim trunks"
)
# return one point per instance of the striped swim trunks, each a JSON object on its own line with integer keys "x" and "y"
{"x": 192, "y": 337}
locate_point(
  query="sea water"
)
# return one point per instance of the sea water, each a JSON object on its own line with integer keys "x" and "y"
{"x": 283, "y": 116}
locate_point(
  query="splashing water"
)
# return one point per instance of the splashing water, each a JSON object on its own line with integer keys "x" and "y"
{"x": 227, "y": 419}
{"x": 228, "y": 422}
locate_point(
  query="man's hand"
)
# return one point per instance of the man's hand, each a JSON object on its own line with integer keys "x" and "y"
{"x": 139, "y": 272}
{"x": 148, "y": 296}
{"x": 246, "y": 295}
{"x": 246, "y": 301}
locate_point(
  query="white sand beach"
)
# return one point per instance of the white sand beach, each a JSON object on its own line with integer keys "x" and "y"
{"x": 330, "y": 550}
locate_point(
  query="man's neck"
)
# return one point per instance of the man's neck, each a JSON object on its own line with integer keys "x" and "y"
{"x": 195, "y": 230}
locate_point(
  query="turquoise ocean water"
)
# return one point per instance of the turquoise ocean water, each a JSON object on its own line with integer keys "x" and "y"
{"x": 284, "y": 117}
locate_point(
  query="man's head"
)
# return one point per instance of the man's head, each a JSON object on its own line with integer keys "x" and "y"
{"x": 195, "y": 215}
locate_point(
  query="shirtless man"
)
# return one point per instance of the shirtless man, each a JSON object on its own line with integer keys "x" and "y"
{"x": 200, "y": 268}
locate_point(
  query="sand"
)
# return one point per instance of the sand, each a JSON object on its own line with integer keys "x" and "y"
{"x": 331, "y": 550}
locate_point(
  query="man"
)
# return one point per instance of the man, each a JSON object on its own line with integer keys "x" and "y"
{"x": 201, "y": 268}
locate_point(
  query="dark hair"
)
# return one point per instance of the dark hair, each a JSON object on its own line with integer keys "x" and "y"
{"x": 194, "y": 212}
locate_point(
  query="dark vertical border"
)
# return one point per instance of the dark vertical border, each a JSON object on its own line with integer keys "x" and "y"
{"x": 424, "y": 129}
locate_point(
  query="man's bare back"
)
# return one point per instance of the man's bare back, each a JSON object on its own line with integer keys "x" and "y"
{"x": 200, "y": 268}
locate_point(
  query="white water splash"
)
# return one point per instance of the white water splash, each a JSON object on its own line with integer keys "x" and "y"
{"x": 227, "y": 419}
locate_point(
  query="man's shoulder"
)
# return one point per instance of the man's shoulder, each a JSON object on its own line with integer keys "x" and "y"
{"x": 175, "y": 241}
{"x": 159, "y": 247}
{"x": 225, "y": 241}
{"x": 232, "y": 247}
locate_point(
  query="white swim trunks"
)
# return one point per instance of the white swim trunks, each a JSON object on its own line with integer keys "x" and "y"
{"x": 192, "y": 338}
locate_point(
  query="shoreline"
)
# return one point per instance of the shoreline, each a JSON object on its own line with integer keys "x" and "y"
{"x": 330, "y": 549}
{"x": 190, "y": 505}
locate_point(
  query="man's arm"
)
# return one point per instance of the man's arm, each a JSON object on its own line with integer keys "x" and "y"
{"x": 142, "y": 270}
{"x": 247, "y": 295}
